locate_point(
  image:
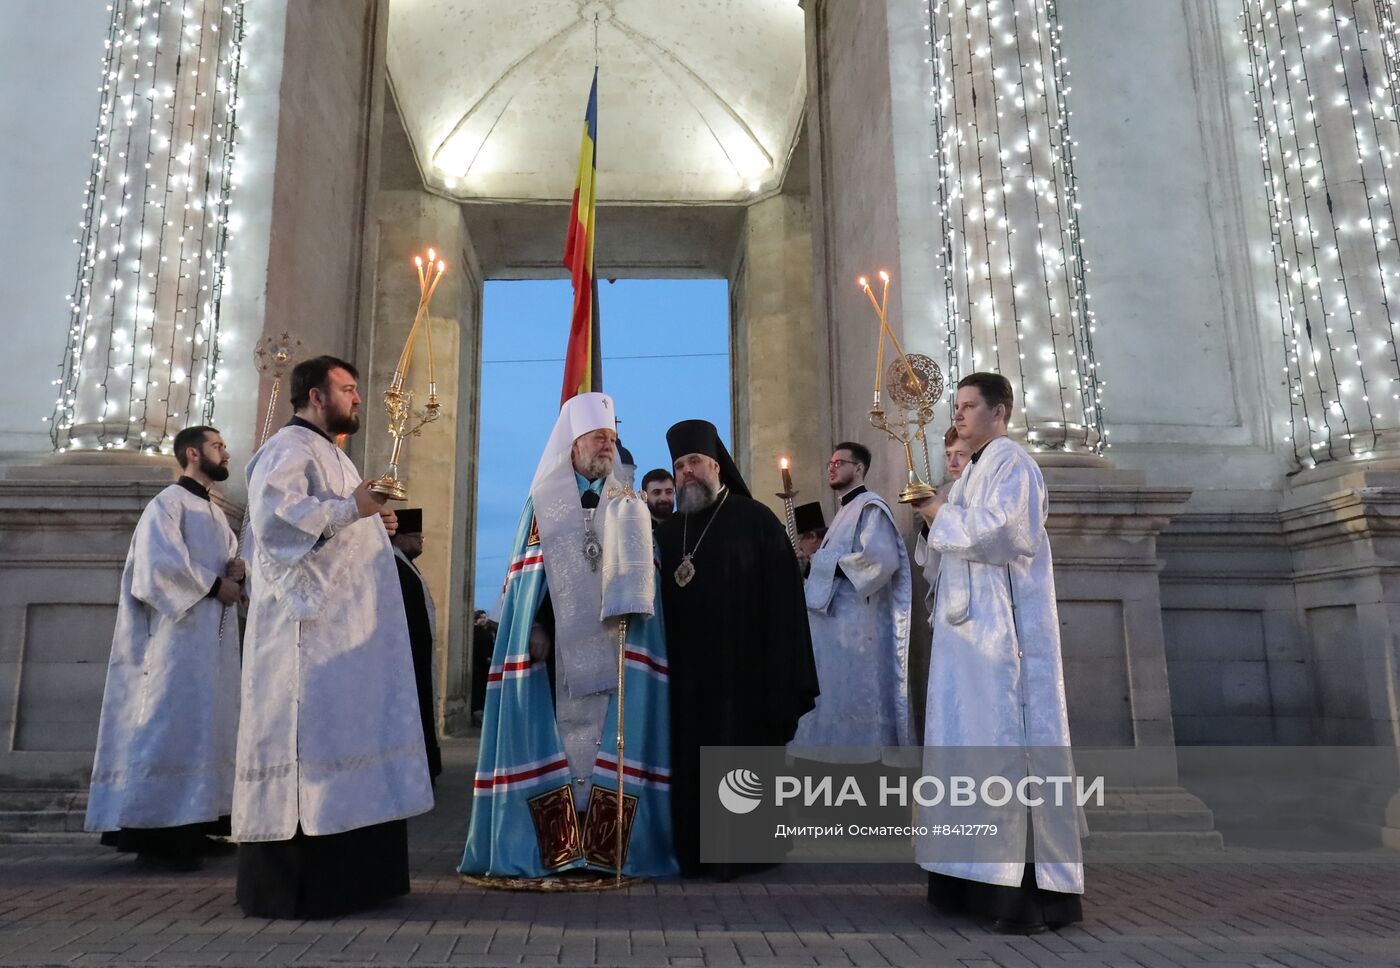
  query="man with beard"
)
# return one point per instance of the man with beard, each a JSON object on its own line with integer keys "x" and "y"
{"x": 546, "y": 780}
{"x": 659, "y": 488}
{"x": 742, "y": 672}
{"x": 163, "y": 775}
{"x": 422, "y": 625}
{"x": 858, "y": 599}
{"x": 330, "y": 747}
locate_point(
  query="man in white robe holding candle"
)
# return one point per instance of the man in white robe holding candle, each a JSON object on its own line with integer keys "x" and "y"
{"x": 330, "y": 749}
{"x": 162, "y": 778}
{"x": 996, "y": 682}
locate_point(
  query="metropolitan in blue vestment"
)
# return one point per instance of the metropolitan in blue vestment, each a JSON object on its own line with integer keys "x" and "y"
{"x": 546, "y": 781}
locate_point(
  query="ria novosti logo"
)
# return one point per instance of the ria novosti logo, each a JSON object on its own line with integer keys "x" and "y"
{"x": 740, "y": 791}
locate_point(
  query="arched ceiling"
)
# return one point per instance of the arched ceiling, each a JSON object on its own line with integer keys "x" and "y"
{"x": 699, "y": 100}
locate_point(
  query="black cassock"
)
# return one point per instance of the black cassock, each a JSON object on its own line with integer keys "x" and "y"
{"x": 420, "y": 640}
{"x": 740, "y": 652}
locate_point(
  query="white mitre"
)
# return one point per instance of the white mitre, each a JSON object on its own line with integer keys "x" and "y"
{"x": 580, "y": 415}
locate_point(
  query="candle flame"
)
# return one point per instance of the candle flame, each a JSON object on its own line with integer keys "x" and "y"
{"x": 863, "y": 282}
{"x": 442, "y": 266}
{"x": 432, "y": 256}
{"x": 418, "y": 261}
{"x": 884, "y": 276}
{"x": 783, "y": 463}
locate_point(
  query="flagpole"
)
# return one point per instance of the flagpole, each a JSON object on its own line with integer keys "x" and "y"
{"x": 621, "y": 741}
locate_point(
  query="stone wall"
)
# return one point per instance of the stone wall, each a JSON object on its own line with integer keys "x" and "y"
{"x": 778, "y": 355}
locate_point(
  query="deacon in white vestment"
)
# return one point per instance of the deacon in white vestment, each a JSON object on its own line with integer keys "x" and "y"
{"x": 162, "y": 777}
{"x": 995, "y": 675}
{"x": 330, "y": 748}
{"x": 956, "y": 456}
{"x": 858, "y": 595}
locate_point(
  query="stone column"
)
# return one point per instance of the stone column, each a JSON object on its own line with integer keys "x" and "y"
{"x": 779, "y": 355}
{"x": 143, "y": 336}
{"x": 1323, "y": 80}
{"x": 1015, "y": 298}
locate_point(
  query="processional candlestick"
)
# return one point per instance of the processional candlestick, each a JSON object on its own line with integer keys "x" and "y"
{"x": 914, "y": 383}
{"x": 398, "y": 401}
{"x": 274, "y": 356}
{"x": 787, "y": 494}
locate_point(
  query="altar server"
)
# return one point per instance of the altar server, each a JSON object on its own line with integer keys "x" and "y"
{"x": 330, "y": 748}
{"x": 162, "y": 777}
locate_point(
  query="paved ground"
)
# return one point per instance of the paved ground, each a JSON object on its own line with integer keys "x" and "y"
{"x": 78, "y": 904}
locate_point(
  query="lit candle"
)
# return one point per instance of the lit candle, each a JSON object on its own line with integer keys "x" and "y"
{"x": 787, "y": 475}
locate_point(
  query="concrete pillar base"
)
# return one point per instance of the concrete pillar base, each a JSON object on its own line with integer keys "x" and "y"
{"x": 65, "y": 527}
{"x": 1342, "y": 527}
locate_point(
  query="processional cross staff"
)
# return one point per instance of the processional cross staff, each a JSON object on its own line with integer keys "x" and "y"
{"x": 273, "y": 356}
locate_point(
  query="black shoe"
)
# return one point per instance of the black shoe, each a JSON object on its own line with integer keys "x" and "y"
{"x": 1003, "y": 926}
{"x": 211, "y": 847}
{"x": 173, "y": 863}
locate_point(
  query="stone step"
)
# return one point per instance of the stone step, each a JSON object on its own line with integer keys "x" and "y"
{"x": 42, "y": 811}
{"x": 1163, "y": 844}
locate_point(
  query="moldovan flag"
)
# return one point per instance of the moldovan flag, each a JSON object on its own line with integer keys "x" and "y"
{"x": 583, "y": 364}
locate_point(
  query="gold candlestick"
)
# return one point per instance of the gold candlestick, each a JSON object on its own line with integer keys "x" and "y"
{"x": 914, "y": 383}
{"x": 398, "y": 401}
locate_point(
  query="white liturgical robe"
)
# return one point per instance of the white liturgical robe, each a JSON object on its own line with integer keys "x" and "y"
{"x": 330, "y": 737}
{"x": 860, "y": 637}
{"x": 165, "y": 743}
{"x": 995, "y": 675}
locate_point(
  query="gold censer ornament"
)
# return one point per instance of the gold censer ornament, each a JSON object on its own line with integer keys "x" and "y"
{"x": 914, "y": 383}
{"x": 398, "y": 400}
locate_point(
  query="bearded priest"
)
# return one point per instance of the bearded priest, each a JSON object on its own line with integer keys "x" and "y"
{"x": 742, "y": 672}
{"x": 546, "y": 781}
{"x": 163, "y": 774}
{"x": 330, "y": 747}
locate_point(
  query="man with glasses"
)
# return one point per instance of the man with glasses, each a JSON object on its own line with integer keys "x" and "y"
{"x": 858, "y": 600}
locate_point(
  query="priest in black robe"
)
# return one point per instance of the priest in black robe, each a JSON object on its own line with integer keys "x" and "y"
{"x": 422, "y": 624}
{"x": 742, "y": 672}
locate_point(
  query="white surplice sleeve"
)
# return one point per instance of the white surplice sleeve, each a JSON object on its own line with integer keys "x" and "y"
{"x": 873, "y": 563}
{"x": 1004, "y": 525}
{"x": 288, "y": 520}
{"x": 292, "y": 525}
{"x": 162, "y": 574}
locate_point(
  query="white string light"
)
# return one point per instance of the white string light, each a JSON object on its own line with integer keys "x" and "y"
{"x": 142, "y": 359}
{"x": 1011, "y": 250}
{"x": 1322, "y": 79}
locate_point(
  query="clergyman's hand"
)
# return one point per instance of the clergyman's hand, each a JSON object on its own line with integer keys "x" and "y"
{"x": 368, "y": 502}
{"x": 929, "y": 507}
{"x": 540, "y": 646}
{"x": 229, "y": 592}
{"x": 237, "y": 569}
{"x": 390, "y": 519}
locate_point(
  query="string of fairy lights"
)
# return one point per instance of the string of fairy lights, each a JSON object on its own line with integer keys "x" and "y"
{"x": 1011, "y": 250}
{"x": 143, "y": 350}
{"x": 1323, "y": 81}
